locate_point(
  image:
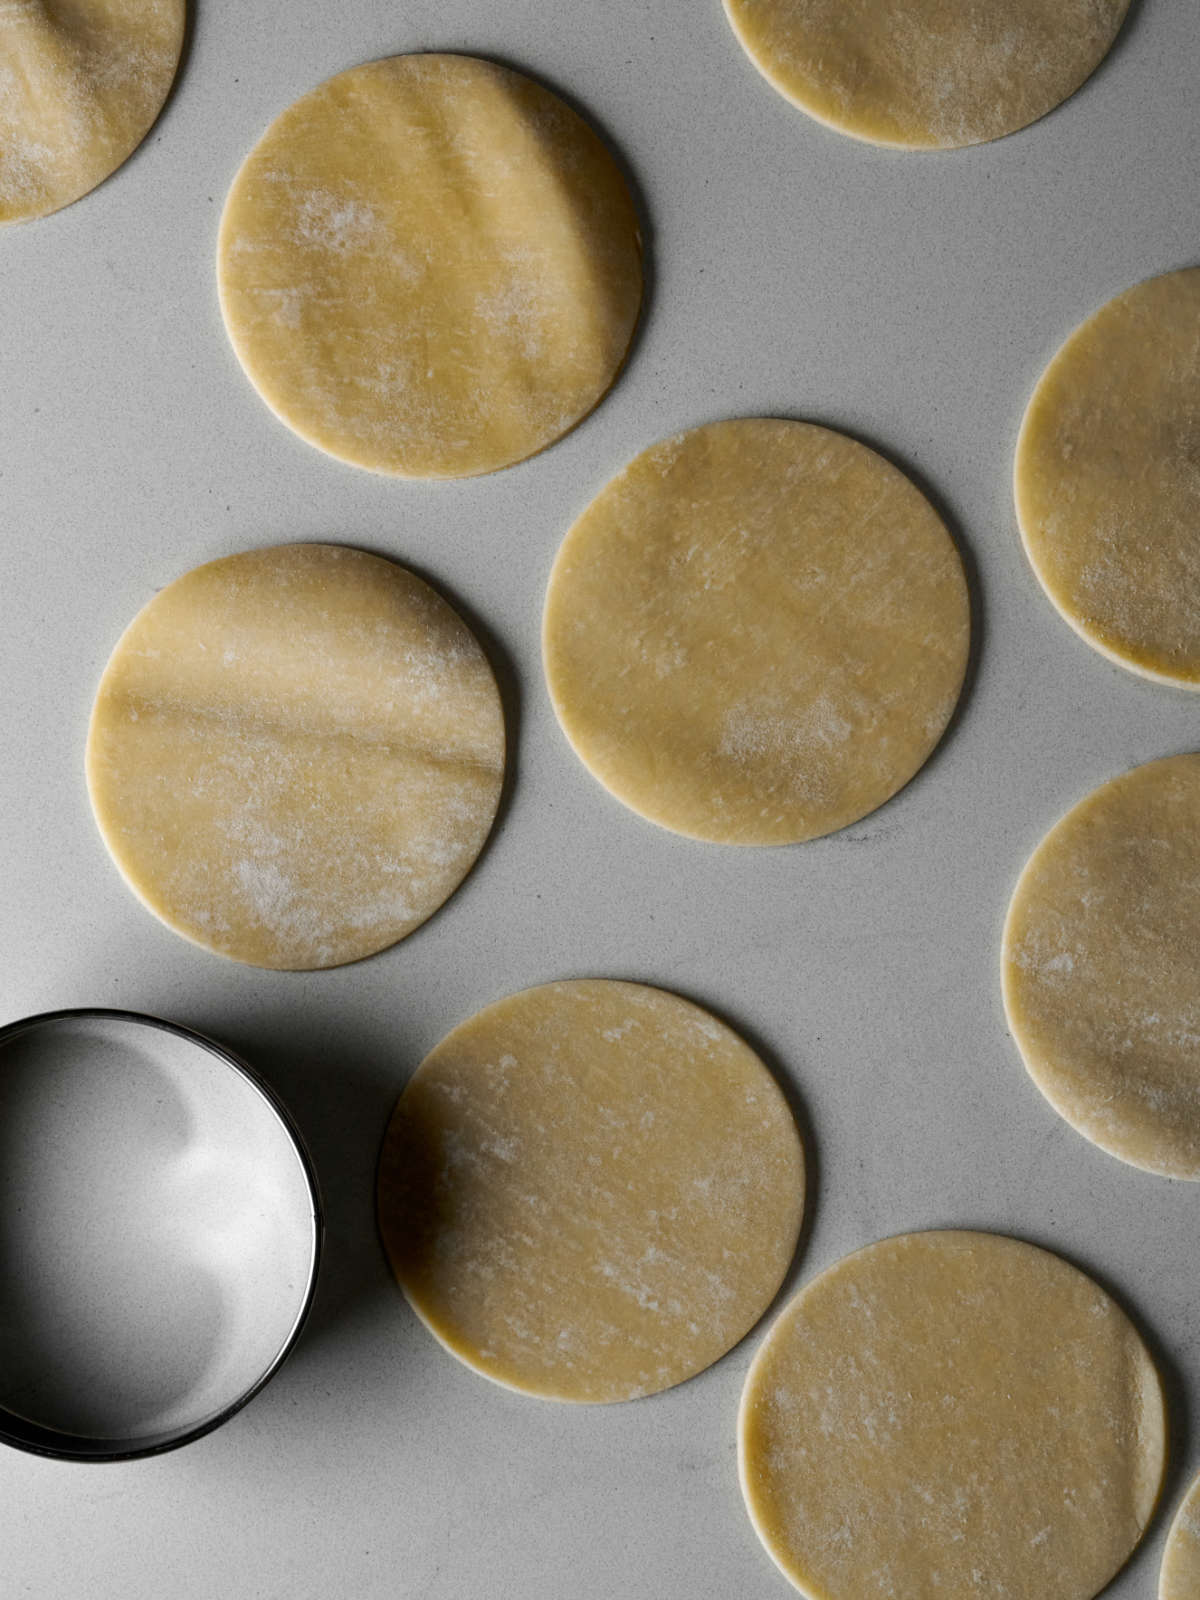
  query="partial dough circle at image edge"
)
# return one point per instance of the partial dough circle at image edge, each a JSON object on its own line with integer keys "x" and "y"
{"x": 757, "y": 632}
{"x": 444, "y": 288}
{"x": 1100, "y": 953}
{"x": 942, "y": 1403}
{"x": 1180, "y": 1575}
{"x": 1106, "y": 484}
{"x": 80, "y": 88}
{"x": 926, "y": 74}
{"x": 296, "y": 755}
{"x": 590, "y": 1191}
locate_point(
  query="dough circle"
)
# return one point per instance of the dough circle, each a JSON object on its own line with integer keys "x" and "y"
{"x": 1101, "y": 952}
{"x": 1180, "y": 1577}
{"x": 430, "y": 266}
{"x": 81, "y": 84}
{"x": 591, "y": 1190}
{"x": 926, "y": 74}
{"x": 757, "y": 632}
{"x": 1108, "y": 479}
{"x": 951, "y": 1413}
{"x": 296, "y": 755}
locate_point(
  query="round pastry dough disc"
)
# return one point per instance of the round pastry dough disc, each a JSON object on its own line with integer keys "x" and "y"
{"x": 1180, "y": 1579}
{"x": 296, "y": 755}
{"x": 1101, "y": 953}
{"x": 80, "y": 87}
{"x": 926, "y": 74}
{"x": 1107, "y": 481}
{"x": 430, "y": 266}
{"x": 951, "y": 1414}
{"x": 591, "y": 1191}
{"x": 757, "y": 632}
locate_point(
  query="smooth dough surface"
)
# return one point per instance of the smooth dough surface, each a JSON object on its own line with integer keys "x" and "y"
{"x": 1180, "y": 1578}
{"x": 1101, "y": 955}
{"x": 757, "y": 632}
{"x": 591, "y": 1190}
{"x": 430, "y": 266}
{"x": 926, "y": 74}
{"x": 951, "y": 1414}
{"x": 296, "y": 754}
{"x": 81, "y": 83}
{"x": 1108, "y": 479}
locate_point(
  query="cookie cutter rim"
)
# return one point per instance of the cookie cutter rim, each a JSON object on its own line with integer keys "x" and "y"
{"x": 36, "y": 1439}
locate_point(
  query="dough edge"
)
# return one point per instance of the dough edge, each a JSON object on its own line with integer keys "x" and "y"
{"x": 1183, "y": 1531}
{"x": 143, "y": 894}
{"x": 926, "y": 147}
{"x": 1008, "y": 983}
{"x": 1025, "y": 519}
{"x": 182, "y": 48}
{"x": 461, "y": 1351}
{"x": 300, "y": 430}
{"x": 1153, "y": 1395}
{"x": 674, "y": 828}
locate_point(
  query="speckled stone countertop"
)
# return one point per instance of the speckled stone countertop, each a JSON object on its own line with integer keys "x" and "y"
{"x": 912, "y": 300}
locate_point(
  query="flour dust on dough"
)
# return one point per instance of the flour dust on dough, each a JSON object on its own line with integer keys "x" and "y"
{"x": 1108, "y": 479}
{"x": 951, "y": 1413}
{"x": 757, "y": 632}
{"x": 926, "y": 74}
{"x": 296, "y": 755}
{"x": 1180, "y": 1577}
{"x": 591, "y": 1190}
{"x": 81, "y": 83}
{"x": 430, "y": 266}
{"x": 1101, "y": 953}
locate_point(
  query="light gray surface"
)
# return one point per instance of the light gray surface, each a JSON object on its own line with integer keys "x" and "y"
{"x": 911, "y": 299}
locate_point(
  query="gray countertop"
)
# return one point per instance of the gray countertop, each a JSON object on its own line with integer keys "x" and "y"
{"x": 910, "y": 299}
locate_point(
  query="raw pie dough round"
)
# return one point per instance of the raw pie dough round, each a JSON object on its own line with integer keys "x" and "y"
{"x": 1108, "y": 479}
{"x": 591, "y": 1190}
{"x": 1180, "y": 1578}
{"x": 926, "y": 74}
{"x": 1101, "y": 955}
{"x": 757, "y": 632}
{"x": 430, "y": 266}
{"x": 81, "y": 83}
{"x": 951, "y": 1413}
{"x": 296, "y": 755}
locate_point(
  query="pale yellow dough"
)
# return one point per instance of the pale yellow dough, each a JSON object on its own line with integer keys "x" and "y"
{"x": 926, "y": 74}
{"x": 1101, "y": 956}
{"x": 430, "y": 266}
{"x": 757, "y": 632}
{"x": 1180, "y": 1578}
{"x": 951, "y": 1414}
{"x": 81, "y": 83}
{"x": 1108, "y": 479}
{"x": 591, "y": 1191}
{"x": 296, "y": 755}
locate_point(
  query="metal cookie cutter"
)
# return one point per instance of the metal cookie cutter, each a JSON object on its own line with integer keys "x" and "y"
{"x": 160, "y": 1232}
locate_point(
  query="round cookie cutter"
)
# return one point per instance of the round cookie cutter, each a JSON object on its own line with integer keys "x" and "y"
{"x": 160, "y": 1234}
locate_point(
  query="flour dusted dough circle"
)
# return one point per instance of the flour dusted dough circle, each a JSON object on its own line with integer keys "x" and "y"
{"x": 1108, "y": 479}
{"x": 926, "y": 74}
{"x": 81, "y": 83}
{"x": 1101, "y": 955}
{"x": 296, "y": 755}
{"x": 951, "y": 1413}
{"x": 757, "y": 632}
{"x": 591, "y": 1190}
{"x": 430, "y": 266}
{"x": 1180, "y": 1578}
